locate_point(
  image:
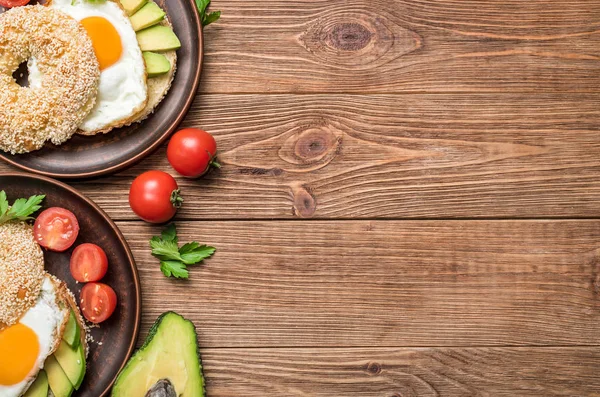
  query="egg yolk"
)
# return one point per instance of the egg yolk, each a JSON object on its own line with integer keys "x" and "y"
{"x": 105, "y": 40}
{"x": 19, "y": 349}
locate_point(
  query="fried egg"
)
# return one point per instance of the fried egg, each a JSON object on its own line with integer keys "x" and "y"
{"x": 122, "y": 91}
{"x": 25, "y": 345}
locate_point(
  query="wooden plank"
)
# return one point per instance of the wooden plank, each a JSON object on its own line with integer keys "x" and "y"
{"x": 384, "y": 156}
{"x": 403, "y": 372}
{"x": 383, "y": 283}
{"x": 366, "y": 46}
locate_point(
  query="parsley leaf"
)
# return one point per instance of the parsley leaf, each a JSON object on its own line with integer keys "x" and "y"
{"x": 174, "y": 260}
{"x": 170, "y": 233}
{"x": 206, "y": 18}
{"x": 196, "y": 254}
{"x": 3, "y": 203}
{"x": 175, "y": 269}
{"x": 21, "y": 208}
{"x": 164, "y": 250}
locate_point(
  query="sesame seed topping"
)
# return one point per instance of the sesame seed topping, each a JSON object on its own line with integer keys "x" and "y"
{"x": 64, "y": 55}
{"x": 21, "y": 271}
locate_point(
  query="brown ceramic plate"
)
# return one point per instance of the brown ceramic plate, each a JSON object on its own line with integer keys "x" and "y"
{"x": 115, "y": 338}
{"x": 85, "y": 157}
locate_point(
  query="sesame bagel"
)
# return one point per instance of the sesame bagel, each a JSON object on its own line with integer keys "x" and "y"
{"x": 63, "y": 53}
{"x": 21, "y": 271}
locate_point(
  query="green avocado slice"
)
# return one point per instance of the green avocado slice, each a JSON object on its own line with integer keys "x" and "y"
{"x": 72, "y": 333}
{"x": 72, "y": 361}
{"x": 39, "y": 388}
{"x": 156, "y": 64}
{"x": 132, "y": 6}
{"x": 57, "y": 379}
{"x": 169, "y": 352}
{"x": 148, "y": 15}
{"x": 157, "y": 38}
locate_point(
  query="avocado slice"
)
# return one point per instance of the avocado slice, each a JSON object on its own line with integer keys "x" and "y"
{"x": 158, "y": 38}
{"x": 169, "y": 352}
{"x": 156, "y": 64}
{"x": 148, "y": 15}
{"x": 132, "y": 6}
{"x": 39, "y": 387}
{"x": 57, "y": 379}
{"x": 72, "y": 333}
{"x": 72, "y": 361}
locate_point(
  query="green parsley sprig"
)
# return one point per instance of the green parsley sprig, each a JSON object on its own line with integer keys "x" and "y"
{"x": 20, "y": 210}
{"x": 174, "y": 260}
{"x": 206, "y": 18}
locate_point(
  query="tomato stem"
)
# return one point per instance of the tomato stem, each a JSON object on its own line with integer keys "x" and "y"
{"x": 176, "y": 198}
{"x": 215, "y": 163}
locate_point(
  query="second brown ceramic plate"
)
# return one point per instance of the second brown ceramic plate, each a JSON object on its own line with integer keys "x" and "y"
{"x": 85, "y": 157}
{"x": 114, "y": 339}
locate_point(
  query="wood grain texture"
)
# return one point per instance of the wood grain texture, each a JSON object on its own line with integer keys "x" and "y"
{"x": 383, "y": 283}
{"x": 384, "y": 156}
{"x": 366, "y": 46}
{"x": 386, "y": 111}
{"x": 396, "y": 372}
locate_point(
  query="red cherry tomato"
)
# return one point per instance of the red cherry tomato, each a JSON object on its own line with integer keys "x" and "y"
{"x": 154, "y": 196}
{"x": 13, "y": 3}
{"x": 192, "y": 152}
{"x": 56, "y": 229}
{"x": 88, "y": 263}
{"x": 97, "y": 301}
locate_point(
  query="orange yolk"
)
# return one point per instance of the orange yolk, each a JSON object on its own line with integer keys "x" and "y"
{"x": 19, "y": 349}
{"x": 105, "y": 39}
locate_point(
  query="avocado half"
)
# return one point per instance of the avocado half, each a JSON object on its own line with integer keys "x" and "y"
{"x": 169, "y": 352}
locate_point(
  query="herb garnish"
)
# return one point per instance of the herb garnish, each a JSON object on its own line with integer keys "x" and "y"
{"x": 174, "y": 260}
{"x": 21, "y": 208}
{"x": 206, "y": 18}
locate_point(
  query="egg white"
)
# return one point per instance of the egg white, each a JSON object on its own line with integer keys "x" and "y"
{"x": 45, "y": 318}
{"x": 122, "y": 91}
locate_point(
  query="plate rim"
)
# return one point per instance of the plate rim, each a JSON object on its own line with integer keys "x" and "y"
{"x": 122, "y": 240}
{"x": 8, "y": 158}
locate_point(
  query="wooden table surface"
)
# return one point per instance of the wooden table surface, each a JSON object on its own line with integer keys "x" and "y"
{"x": 409, "y": 203}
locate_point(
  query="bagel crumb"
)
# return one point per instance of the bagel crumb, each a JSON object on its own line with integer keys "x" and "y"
{"x": 29, "y": 117}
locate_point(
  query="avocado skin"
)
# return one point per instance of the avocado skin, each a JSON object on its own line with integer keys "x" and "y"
{"x": 151, "y": 334}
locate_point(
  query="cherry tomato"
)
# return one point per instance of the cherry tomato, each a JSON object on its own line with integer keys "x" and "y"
{"x": 56, "y": 229}
{"x": 88, "y": 263}
{"x": 97, "y": 301}
{"x": 13, "y": 3}
{"x": 192, "y": 152}
{"x": 154, "y": 196}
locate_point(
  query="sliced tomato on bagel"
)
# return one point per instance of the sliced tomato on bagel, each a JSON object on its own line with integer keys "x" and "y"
{"x": 56, "y": 229}
{"x": 13, "y": 3}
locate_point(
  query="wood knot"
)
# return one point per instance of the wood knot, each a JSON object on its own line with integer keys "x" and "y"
{"x": 305, "y": 204}
{"x": 315, "y": 146}
{"x": 358, "y": 40}
{"x": 349, "y": 36}
{"x": 373, "y": 368}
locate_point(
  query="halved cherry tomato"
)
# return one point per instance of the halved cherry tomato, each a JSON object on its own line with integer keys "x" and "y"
{"x": 97, "y": 301}
{"x": 13, "y": 3}
{"x": 192, "y": 152}
{"x": 56, "y": 229}
{"x": 88, "y": 263}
